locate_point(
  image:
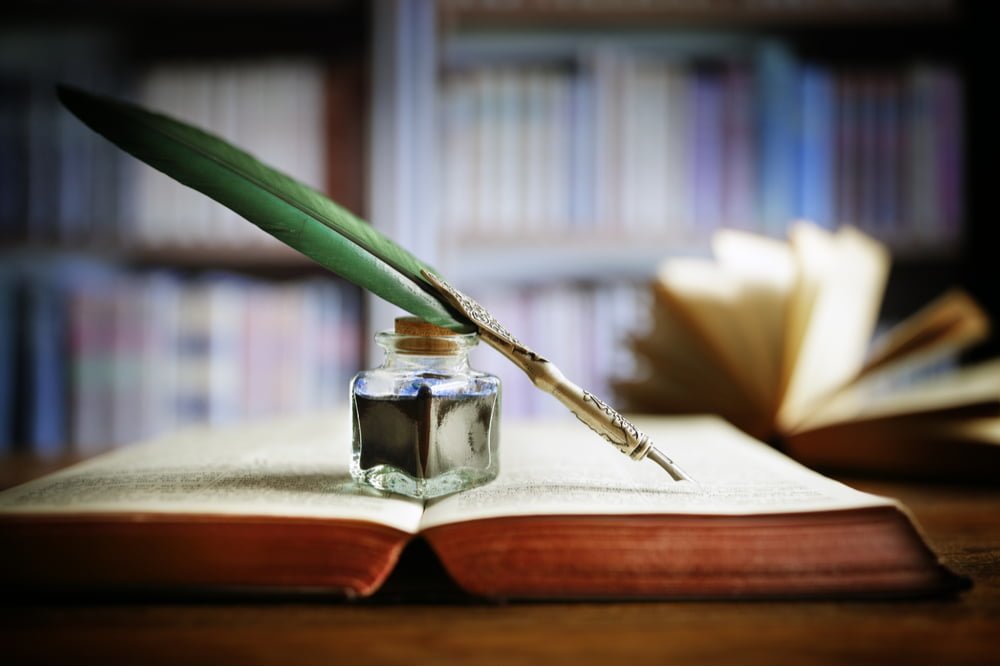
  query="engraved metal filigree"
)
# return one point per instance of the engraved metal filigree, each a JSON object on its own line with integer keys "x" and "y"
{"x": 633, "y": 442}
{"x": 480, "y": 316}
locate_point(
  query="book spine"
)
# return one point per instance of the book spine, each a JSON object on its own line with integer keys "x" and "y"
{"x": 558, "y": 145}
{"x": 948, "y": 114}
{"x": 582, "y": 149}
{"x": 892, "y": 142}
{"x": 537, "y": 120}
{"x": 159, "y": 299}
{"x": 737, "y": 152}
{"x": 273, "y": 108}
{"x": 9, "y": 288}
{"x": 818, "y": 149}
{"x": 225, "y": 354}
{"x": 508, "y": 95}
{"x": 608, "y": 82}
{"x": 14, "y": 155}
{"x": 194, "y": 344}
{"x": 457, "y": 135}
{"x": 666, "y": 147}
{"x": 921, "y": 186}
{"x": 126, "y": 393}
{"x": 707, "y": 134}
{"x": 871, "y": 169}
{"x": 847, "y": 149}
{"x": 43, "y": 162}
{"x": 47, "y": 427}
{"x": 678, "y": 150}
{"x": 486, "y": 151}
{"x": 778, "y": 119}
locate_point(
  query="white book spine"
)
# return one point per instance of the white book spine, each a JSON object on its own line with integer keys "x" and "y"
{"x": 509, "y": 156}
{"x": 486, "y": 154}
{"x": 559, "y": 143}
{"x": 678, "y": 196}
{"x": 608, "y": 128}
{"x": 533, "y": 173}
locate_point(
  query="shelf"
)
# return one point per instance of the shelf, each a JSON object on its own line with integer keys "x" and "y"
{"x": 196, "y": 30}
{"x": 130, "y": 304}
{"x": 524, "y": 261}
{"x": 745, "y": 13}
{"x": 531, "y": 46}
{"x": 264, "y": 257}
{"x": 57, "y": 11}
{"x": 479, "y": 261}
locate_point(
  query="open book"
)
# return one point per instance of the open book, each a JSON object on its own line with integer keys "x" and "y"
{"x": 271, "y": 507}
{"x": 777, "y": 338}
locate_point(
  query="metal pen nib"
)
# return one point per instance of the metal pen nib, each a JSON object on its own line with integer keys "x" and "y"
{"x": 664, "y": 462}
{"x": 592, "y": 411}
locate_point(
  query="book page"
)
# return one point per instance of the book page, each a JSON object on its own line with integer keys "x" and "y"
{"x": 975, "y": 386}
{"x": 292, "y": 467}
{"x": 833, "y": 313}
{"x": 766, "y": 271}
{"x": 674, "y": 376}
{"x": 561, "y": 467}
{"x": 944, "y": 327}
{"x": 719, "y": 306}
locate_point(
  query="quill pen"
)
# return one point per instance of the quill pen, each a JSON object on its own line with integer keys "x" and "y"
{"x": 308, "y": 221}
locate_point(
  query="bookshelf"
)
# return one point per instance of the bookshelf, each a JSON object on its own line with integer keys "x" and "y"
{"x": 565, "y": 238}
{"x": 580, "y": 143}
{"x": 131, "y": 305}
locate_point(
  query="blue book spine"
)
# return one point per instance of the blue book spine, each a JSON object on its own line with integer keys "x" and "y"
{"x": 817, "y": 147}
{"x": 778, "y": 137}
{"x": 889, "y": 146}
{"x": 47, "y": 353}
{"x": 8, "y": 359}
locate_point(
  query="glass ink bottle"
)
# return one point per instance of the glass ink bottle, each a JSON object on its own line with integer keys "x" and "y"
{"x": 425, "y": 424}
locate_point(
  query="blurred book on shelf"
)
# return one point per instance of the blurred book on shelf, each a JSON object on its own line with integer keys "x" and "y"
{"x": 104, "y": 355}
{"x": 574, "y": 160}
{"x": 644, "y": 140}
{"x": 569, "y": 165}
{"x": 65, "y": 186}
{"x": 776, "y": 337}
{"x": 117, "y": 322}
{"x": 272, "y": 107}
{"x": 60, "y": 182}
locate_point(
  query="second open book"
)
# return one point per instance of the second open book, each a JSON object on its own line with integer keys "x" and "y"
{"x": 271, "y": 507}
{"x": 777, "y": 338}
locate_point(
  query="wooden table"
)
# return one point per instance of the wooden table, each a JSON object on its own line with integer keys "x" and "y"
{"x": 419, "y": 618}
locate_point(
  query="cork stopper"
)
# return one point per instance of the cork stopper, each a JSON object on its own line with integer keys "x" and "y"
{"x": 425, "y": 338}
{"x": 414, "y": 326}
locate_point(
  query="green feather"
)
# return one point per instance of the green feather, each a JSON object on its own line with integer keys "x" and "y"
{"x": 284, "y": 208}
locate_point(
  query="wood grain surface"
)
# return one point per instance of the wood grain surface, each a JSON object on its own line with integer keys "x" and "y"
{"x": 419, "y": 617}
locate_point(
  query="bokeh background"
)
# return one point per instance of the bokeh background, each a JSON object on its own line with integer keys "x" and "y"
{"x": 546, "y": 156}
